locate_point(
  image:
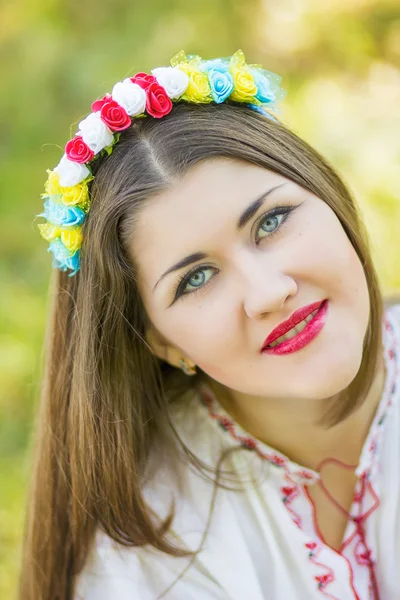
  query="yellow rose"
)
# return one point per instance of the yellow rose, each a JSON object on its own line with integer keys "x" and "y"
{"x": 198, "y": 89}
{"x": 244, "y": 87}
{"x": 72, "y": 238}
{"x": 52, "y": 185}
{"x": 76, "y": 194}
{"x": 71, "y": 195}
{"x": 49, "y": 232}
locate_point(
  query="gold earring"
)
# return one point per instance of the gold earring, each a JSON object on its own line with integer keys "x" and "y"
{"x": 186, "y": 369}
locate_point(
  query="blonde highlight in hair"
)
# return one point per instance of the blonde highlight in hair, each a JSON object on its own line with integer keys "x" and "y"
{"x": 106, "y": 398}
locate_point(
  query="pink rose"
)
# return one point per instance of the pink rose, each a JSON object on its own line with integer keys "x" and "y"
{"x": 158, "y": 102}
{"x": 77, "y": 151}
{"x": 143, "y": 79}
{"x": 114, "y": 116}
{"x": 98, "y": 104}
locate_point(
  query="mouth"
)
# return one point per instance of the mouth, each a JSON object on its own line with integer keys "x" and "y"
{"x": 298, "y": 331}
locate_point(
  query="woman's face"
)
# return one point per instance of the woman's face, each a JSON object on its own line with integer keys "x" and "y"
{"x": 217, "y": 311}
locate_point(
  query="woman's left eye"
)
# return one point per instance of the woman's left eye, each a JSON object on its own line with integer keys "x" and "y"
{"x": 271, "y": 222}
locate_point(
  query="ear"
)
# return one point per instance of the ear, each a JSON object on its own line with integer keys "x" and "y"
{"x": 163, "y": 349}
{"x": 157, "y": 343}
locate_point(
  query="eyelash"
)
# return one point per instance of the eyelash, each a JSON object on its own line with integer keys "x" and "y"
{"x": 182, "y": 279}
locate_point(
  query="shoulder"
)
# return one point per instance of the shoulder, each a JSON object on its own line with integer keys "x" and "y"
{"x": 125, "y": 572}
{"x": 392, "y": 310}
{"x": 392, "y": 303}
{"x": 115, "y": 571}
{"x": 392, "y": 300}
{"x": 110, "y": 571}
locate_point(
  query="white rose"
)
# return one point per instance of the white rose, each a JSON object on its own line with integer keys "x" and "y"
{"x": 172, "y": 79}
{"x": 130, "y": 96}
{"x": 70, "y": 173}
{"x": 95, "y": 132}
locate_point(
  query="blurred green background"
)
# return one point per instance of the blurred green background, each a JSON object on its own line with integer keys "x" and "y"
{"x": 340, "y": 63}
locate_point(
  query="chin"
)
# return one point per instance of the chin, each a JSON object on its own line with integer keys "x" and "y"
{"x": 330, "y": 381}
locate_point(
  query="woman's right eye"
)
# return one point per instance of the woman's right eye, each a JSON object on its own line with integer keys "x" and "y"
{"x": 196, "y": 279}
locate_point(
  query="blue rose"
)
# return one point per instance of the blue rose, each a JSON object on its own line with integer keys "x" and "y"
{"x": 63, "y": 259}
{"x": 61, "y": 214}
{"x": 218, "y": 63}
{"x": 265, "y": 92}
{"x": 221, "y": 85}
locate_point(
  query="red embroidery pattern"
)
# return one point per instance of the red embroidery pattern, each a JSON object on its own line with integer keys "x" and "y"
{"x": 326, "y": 578}
{"x": 362, "y": 552}
{"x": 249, "y": 442}
{"x": 289, "y": 493}
{"x": 305, "y": 475}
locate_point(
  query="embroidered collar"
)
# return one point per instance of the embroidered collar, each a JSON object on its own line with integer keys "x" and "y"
{"x": 224, "y": 423}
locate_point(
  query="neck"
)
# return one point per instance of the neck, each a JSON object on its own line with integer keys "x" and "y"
{"x": 291, "y": 426}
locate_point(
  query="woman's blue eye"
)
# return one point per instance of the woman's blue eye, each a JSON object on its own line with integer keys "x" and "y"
{"x": 197, "y": 279}
{"x": 269, "y": 224}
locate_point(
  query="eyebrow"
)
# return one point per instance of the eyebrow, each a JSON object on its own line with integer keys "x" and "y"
{"x": 242, "y": 222}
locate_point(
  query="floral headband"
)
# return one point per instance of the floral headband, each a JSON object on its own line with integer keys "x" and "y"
{"x": 189, "y": 79}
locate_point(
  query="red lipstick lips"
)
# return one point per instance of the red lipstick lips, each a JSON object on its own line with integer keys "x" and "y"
{"x": 285, "y": 326}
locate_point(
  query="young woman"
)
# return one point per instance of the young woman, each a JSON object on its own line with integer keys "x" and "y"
{"x": 220, "y": 415}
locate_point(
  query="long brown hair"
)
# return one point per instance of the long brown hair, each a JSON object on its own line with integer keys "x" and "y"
{"x": 105, "y": 396}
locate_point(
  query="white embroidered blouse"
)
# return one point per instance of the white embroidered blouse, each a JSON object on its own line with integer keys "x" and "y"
{"x": 263, "y": 543}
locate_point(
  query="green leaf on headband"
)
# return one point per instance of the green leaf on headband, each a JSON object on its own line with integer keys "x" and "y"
{"x": 109, "y": 148}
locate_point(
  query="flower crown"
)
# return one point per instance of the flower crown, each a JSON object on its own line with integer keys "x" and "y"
{"x": 188, "y": 79}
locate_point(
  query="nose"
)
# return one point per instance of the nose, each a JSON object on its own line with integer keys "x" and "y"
{"x": 266, "y": 288}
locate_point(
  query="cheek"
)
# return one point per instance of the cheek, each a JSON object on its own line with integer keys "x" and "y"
{"x": 356, "y": 290}
{"x": 205, "y": 335}
{"x": 338, "y": 272}
{"x": 348, "y": 270}
{"x": 326, "y": 251}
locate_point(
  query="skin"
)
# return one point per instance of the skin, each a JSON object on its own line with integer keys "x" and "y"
{"x": 252, "y": 288}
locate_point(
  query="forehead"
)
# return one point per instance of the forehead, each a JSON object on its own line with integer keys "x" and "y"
{"x": 193, "y": 212}
{"x": 210, "y": 192}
